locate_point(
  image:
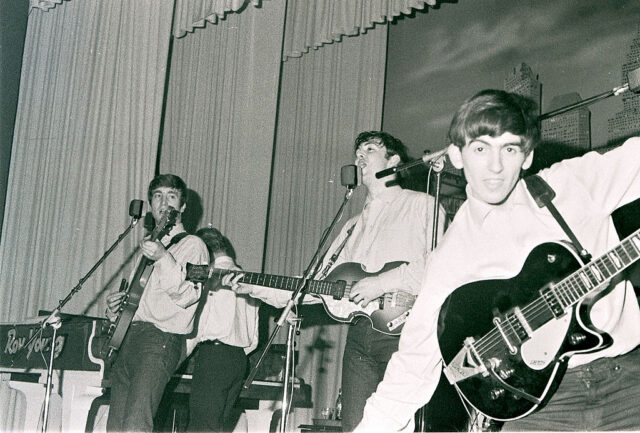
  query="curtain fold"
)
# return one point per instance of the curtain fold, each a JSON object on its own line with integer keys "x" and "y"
{"x": 326, "y": 99}
{"x": 311, "y": 24}
{"x": 192, "y": 14}
{"x": 220, "y": 122}
{"x": 86, "y": 134}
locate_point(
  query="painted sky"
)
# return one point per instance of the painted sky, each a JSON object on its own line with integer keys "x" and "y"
{"x": 439, "y": 58}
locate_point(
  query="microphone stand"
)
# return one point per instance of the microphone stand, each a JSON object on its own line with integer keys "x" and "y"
{"x": 613, "y": 92}
{"x": 437, "y": 165}
{"x": 295, "y": 323}
{"x": 54, "y": 320}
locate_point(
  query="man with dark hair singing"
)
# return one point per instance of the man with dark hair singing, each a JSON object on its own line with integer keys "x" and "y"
{"x": 394, "y": 226}
{"x": 156, "y": 339}
{"x": 505, "y": 329}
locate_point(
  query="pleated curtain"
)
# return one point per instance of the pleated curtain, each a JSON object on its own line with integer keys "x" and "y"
{"x": 85, "y": 141}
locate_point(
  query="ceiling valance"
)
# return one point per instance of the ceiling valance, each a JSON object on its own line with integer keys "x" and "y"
{"x": 309, "y": 23}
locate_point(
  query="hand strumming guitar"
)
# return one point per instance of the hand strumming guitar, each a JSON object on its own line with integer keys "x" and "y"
{"x": 366, "y": 290}
{"x": 113, "y": 305}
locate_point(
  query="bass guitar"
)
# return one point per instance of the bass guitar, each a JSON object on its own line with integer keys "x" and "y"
{"x": 505, "y": 343}
{"x": 131, "y": 300}
{"x": 387, "y": 314}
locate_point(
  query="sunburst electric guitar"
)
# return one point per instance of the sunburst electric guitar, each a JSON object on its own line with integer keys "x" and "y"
{"x": 387, "y": 314}
{"x": 131, "y": 300}
{"x": 505, "y": 343}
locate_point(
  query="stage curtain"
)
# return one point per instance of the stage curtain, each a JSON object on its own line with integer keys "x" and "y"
{"x": 192, "y": 14}
{"x": 311, "y": 24}
{"x": 327, "y": 98}
{"x": 220, "y": 122}
{"x": 86, "y": 134}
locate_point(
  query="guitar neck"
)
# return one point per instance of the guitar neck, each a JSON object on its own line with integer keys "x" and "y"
{"x": 575, "y": 287}
{"x": 319, "y": 287}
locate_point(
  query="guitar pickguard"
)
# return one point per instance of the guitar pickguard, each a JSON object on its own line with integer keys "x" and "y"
{"x": 538, "y": 354}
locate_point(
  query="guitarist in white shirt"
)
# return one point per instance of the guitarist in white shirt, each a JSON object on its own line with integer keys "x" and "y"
{"x": 394, "y": 226}
{"x": 493, "y": 135}
{"x": 156, "y": 340}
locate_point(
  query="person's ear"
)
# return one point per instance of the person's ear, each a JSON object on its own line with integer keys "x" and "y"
{"x": 183, "y": 207}
{"x": 393, "y": 161}
{"x": 528, "y": 161}
{"x": 455, "y": 155}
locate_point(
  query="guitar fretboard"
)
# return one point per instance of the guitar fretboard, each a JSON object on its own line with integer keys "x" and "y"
{"x": 556, "y": 298}
{"x": 320, "y": 287}
{"x": 583, "y": 281}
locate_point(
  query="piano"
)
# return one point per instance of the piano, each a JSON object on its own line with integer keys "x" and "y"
{"x": 78, "y": 369}
{"x": 81, "y": 376}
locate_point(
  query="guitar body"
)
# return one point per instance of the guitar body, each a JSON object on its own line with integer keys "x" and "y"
{"x": 130, "y": 304}
{"x": 379, "y": 312}
{"x": 539, "y": 361}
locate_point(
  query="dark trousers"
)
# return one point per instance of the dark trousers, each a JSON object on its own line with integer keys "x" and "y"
{"x": 366, "y": 355}
{"x": 601, "y": 395}
{"x": 146, "y": 360}
{"x": 218, "y": 373}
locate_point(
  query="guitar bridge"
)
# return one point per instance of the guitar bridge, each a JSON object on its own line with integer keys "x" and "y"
{"x": 467, "y": 363}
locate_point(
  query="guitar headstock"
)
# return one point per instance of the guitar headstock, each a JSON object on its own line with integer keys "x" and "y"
{"x": 166, "y": 223}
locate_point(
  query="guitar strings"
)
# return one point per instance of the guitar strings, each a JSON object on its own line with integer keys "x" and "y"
{"x": 571, "y": 284}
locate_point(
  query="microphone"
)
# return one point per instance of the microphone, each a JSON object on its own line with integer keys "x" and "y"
{"x": 424, "y": 160}
{"x": 135, "y": 208}
{"x": 350, "y": 176}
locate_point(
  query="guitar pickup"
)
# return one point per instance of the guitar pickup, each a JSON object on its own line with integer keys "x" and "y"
{"x": 465, "y": 364}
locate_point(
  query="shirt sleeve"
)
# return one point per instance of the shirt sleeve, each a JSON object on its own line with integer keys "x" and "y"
{"x": 612, "y": 178}
{"x": 171, "y": 269}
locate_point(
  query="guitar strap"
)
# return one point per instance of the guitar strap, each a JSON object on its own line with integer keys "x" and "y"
{"x": 542, "y": 193}
{"x": 177, "y": 238}
{"x": 335, "y": 255}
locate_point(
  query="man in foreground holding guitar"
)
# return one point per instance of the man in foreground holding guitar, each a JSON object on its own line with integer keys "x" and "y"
{"x": 394, "y": 226}
{"x": 156, "y": 339}
{"x": 493, "y": 135}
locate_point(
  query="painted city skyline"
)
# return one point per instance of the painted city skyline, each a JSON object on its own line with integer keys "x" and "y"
{"x": 438, "y": 59}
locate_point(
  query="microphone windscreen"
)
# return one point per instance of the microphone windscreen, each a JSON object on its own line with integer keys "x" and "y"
{"x": 349, "y": 176}
{"x": 135, "y": 208}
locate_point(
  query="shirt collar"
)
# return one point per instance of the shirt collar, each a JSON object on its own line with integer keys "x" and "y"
{"x": 480, "y": 210}
{"x": 385, "y": 196}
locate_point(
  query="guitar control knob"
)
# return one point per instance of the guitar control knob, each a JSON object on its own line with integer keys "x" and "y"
{"x": 496, "y": 393}
{"x": 577, "y": 338}
{"x": 506, "y": 373}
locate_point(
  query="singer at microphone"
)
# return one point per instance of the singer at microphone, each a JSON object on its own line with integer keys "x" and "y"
{"x": 153, "y": 330}
{"x": 395, "y": 225}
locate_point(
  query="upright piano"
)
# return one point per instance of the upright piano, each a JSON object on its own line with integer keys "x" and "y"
{"x": 78, "y": 369}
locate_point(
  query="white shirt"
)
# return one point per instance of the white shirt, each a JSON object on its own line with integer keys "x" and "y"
{"x": 492, "y": 242}
{"x": 168, "y": 301}
{"x": 227, "y": 316}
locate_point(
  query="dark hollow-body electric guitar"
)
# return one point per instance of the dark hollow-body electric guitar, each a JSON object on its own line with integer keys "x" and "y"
{"x": 387, "y": 314}
{"x": 505, "y": 343}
